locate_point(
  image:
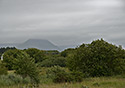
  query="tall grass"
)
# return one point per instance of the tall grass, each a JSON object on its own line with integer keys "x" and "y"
{"x": 12, "y": 79}
{"x": 97, "y": 82}
{"x": 16, "y": 81}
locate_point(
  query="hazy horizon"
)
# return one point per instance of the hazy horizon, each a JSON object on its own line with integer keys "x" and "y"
{"x": 62, "y": 22}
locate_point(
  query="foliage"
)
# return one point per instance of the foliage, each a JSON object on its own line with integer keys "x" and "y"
{"x": 3, "y": 69}
{"x": 12, "y": 79}
{"x": 76, "y": 76}
{"x": 3, "y": 49}
{"x": 22, "y": 63}
{"x": 54, "y": 61}
{"x": 9, "y": 57}
{"x": 96, "y": 82}
{"x": 119, "y": 66}
{"x": 98, "y": 59}
{"x": 59, "y": 75}
{"x": 26, "y": 67}
{"x": 37, "y": 54}
{"x": 67, "y": 52}
{"x": 51, "y": 52}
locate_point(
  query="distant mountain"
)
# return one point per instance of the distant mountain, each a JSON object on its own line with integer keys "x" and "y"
{"x": 41, "y": 44}
{"x": 33, "y": 43}
{"x": 38, "y": 43}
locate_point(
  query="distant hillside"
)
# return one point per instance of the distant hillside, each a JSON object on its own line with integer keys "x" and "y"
{"x": 41, "y": 44}
{"x": 38, "y": 43}
{"x": 33, "y": 43}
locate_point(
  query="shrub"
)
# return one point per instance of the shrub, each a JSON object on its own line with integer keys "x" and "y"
{"x": 12, "y": 79}
{"x": 76, "y": 76}
{"x": 23, "y": 64}
{"x": 54, "y": 61}
{"x": 3, "y": 69}
{"x": 26, "y": 67}
{"x": 37, "y": 54}
{"x": 59, "y": 75}
{"x": 99, "y": 58}
{"x": 10, "y": 56}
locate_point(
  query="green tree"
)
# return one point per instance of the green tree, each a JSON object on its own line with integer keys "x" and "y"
{"x": 79, "y": 61}
{"x": 9, "y": 57}
{"x": 22, "y": 63}
{"x": 26, "y": 67}
{"x": 37, "y": 54}
{"x": 3, "y": 49}
{"x": 54, "y": 61}
{"x": 97, "y": 59}
{"x": 67, "y": 52}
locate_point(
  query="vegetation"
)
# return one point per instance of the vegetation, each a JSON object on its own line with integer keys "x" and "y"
{"x": 3, "y": 49}
{"x": 98, "y": 64}
{"x": 23, "y": 64}
{"x": 98, "y": 59}
{"x": 10, "y": 57}
{"x": 3, "y": 69}
{"x": 13, "y": 79}
{"x": 37, "y": 54}
{"x": 61, "y": 75}
{"x": 98, "y": 82}
{"x": 67, "y": 52}
{"x": 54, "y": 61}
{"x": 26, "y": 67}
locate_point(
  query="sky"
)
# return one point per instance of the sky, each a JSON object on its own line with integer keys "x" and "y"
{"x": 63, "y": 22}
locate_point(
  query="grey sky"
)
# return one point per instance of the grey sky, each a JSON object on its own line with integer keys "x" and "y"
{"x": 64, "y": 22}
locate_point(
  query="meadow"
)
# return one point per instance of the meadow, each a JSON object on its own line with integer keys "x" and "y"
{"x": 102, "y": 82}
{"x": 92, "y": 82}
{"x": 97, "y": 82}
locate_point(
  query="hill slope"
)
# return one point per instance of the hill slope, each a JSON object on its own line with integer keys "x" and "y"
{"x": 38, "y": 43}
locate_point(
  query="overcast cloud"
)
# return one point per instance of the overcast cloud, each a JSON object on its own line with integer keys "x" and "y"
{"x": 64, "y": 22}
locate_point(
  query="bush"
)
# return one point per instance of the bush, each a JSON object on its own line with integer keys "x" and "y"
{"x": 10, "y": 57}
{"x": 59, "y": 75}
{"x": 12, "y": 79}
{"x": 23, "y": 64}
{"x": 99, "y": 58}
{"x": 3, "y": 69}
{"x": 76, "y": 76}
{"x": 54, "y": 61}
{"x": 26, "y": 67}
{"x": 37, "y": 54}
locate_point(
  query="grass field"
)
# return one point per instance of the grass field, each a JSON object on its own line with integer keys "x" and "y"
{"x": 103, "y": 82}
{"x": 98, "y": 82}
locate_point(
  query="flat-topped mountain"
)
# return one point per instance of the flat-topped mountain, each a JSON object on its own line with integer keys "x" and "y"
{"x": 41, "y": 44}
{"x": 38, "y": 43}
